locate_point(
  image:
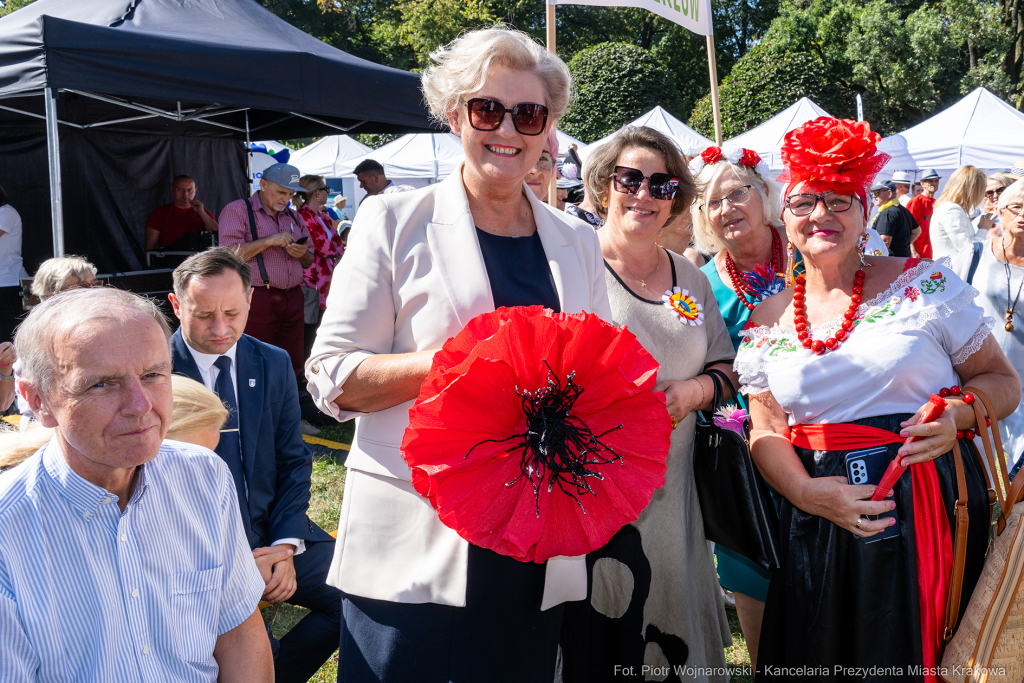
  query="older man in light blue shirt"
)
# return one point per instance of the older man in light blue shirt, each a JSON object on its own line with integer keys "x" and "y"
{"x": 122, "y": 558}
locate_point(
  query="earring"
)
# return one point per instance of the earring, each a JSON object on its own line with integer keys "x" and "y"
{"x": 860, "y": 250}
{"x": 790, "y": 263}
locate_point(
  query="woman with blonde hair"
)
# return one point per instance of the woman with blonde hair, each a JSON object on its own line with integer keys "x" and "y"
{"x": 951, "y": 228}
{"x": 66, "y": 272}
{"x": 420, "y": 603}
{"x": 197, "y": 417}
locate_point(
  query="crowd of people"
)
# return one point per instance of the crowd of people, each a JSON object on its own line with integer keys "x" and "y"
{"x": 159, "y": 487}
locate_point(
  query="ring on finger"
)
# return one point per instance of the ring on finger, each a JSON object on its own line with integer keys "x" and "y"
{"x": 859, "y": 520}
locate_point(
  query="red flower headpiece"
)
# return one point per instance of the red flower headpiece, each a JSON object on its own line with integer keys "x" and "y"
{"x": 833, "y": 154}
{"x": 537, "y": 433}
{"x": 737, "y": 155}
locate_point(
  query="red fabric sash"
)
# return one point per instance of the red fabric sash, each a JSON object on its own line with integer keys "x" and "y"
{"x": 933, "y": 542}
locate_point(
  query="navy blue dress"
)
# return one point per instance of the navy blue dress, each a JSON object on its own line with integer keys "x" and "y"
{"x": 501, "y": 634}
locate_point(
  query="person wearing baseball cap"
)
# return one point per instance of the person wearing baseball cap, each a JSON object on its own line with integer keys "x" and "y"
{"x": 902, "y": 180}
{"x": 893, "y": 223}
{"x": 920, "y": 207}
{"x": 275, "y": 243}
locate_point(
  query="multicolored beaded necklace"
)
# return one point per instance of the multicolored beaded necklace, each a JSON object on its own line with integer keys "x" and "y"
{"x": 739, "y": 284}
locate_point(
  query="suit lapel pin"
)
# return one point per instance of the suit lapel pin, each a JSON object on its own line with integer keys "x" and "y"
{"x": 252, "y": 383}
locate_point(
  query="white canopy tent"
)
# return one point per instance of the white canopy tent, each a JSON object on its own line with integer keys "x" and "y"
{"x": 660, "y": 120}
{"x": 564, "y": 140}
{"x": 326, "y": 155}
{"x": 767, "y": 138}
{"x": 980, "y": 130}
{"x": 418, "y": 159}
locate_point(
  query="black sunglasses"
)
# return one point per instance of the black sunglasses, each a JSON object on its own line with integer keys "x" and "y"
{"x": 487, "y": 115}
{"x": 629, "y": 180}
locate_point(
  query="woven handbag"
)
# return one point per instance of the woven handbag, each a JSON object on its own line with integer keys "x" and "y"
{"x": 988, "y": 646}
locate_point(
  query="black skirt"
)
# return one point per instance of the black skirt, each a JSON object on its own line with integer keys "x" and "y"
{"x": 501, "y": 635}
{"x": 841, "y": 609}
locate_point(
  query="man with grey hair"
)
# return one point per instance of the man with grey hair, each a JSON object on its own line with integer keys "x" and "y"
{"x": 121, "y": 557}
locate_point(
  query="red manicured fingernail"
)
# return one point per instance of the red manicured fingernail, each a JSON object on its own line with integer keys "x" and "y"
{"x": 891, "y": 522}
{"x": 893, "y": 505}
{"x": 904, "y": 433}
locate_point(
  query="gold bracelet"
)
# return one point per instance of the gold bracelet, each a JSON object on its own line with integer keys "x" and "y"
{"x": 703, "y": 396}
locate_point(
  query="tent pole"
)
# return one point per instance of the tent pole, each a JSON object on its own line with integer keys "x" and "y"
{"x": 53, "y": 156}
{"x": 713, "y": 74}
{"x": 248, "y": 157}
{"x": 550, "y": 23}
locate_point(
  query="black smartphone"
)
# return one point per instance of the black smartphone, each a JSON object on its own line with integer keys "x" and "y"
{"x": 868, "y": 467}
{"x": 302, "y": 240}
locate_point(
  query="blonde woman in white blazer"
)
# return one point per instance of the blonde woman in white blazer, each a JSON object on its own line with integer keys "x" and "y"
{"x": 951, "y": 229}
{"x": 420, "y": 603}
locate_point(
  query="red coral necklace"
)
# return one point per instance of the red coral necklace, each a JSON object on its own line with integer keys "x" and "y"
{"x": 803, "y": 330}
{"x": 739, "y": 285}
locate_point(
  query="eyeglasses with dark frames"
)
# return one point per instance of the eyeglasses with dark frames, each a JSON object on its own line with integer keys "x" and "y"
{"x": 992, "y": 194}
{"x": 659, "y": 185}
{"x": 803, "y": 204}
{"x": 487, "y": 115}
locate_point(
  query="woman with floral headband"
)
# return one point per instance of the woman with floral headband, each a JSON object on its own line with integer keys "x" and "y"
{"x": 654, "y": 582}
{"x": 838, "y": 369}
{"x": 736, "y": 217}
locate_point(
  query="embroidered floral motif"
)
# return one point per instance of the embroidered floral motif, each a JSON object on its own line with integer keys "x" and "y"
{"x": 912, "y": 293}
{"x": 689, "y": 311}
{"x": 936, "y": 282}
{"x": 784, "y": 345}
{"x": 886, "y": 311}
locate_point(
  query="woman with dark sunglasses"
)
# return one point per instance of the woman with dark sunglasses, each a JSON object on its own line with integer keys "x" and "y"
{"x": 420, "y": 603}
{"x": 838, "y": 369}
{"x": 654, "y": 582}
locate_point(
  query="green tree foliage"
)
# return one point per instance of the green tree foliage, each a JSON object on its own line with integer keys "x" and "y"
{"x": 376, "y": 140}
{"x": 907, "y": 59}
{"x": 8, "y": 6}
{"x": 763, "y": 83}
{"x": 615, "y": 83}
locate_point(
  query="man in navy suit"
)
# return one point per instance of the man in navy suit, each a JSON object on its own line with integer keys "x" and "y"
{"x": 262, "y": 445}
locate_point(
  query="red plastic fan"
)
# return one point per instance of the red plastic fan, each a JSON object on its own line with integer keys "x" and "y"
{"x": 536, "y": 433}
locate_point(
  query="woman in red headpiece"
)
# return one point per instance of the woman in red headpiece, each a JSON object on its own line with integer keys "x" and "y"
{"x": 838, "y": 368}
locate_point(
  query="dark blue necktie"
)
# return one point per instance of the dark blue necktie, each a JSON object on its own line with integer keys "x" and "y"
{"x": 230, "y": 446}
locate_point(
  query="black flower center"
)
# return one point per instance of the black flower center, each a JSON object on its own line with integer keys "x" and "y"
{"x": 557, "y": 445}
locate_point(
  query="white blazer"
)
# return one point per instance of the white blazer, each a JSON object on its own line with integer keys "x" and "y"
{"x": 950, "y": 230}
{"x": 412, "y": 277}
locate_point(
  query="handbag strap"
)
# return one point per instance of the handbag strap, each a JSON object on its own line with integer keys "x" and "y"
{"x": 998, "y": 471}
{"x": 255, "y": 236}
{"x": 962, "y": 521}
{"x": 1000, "y": 482}
{"x": 721, "y": 380}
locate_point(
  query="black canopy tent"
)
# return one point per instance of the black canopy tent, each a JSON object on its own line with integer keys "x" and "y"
{"x": 117, "y": 96}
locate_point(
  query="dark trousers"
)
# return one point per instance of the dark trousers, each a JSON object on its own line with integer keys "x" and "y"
{"x": 11, "y": 312}
{"x": 275, "y": 317}
{"x": 312, "y": 641}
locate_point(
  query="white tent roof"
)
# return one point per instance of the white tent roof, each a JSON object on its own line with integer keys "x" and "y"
{"x": 434, "y": 156}
{"x": 324, "y": 156}
{"x": 564, "y": 140}
{"x": 980, "y": 130}
{"x": 767, "y": 138}
{"x": 662, "y": 121}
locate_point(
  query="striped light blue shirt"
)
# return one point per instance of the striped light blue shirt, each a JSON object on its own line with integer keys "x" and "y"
{"x": 88, "y": 593}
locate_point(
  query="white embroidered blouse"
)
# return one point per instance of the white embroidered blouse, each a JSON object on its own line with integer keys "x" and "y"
{"x": 903, "y": 348}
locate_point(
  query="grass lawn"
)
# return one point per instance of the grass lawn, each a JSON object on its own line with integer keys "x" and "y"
{"x": 324, "y": 509}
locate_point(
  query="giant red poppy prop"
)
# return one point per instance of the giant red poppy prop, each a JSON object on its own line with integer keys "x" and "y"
{"x": 537, "y": 434}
